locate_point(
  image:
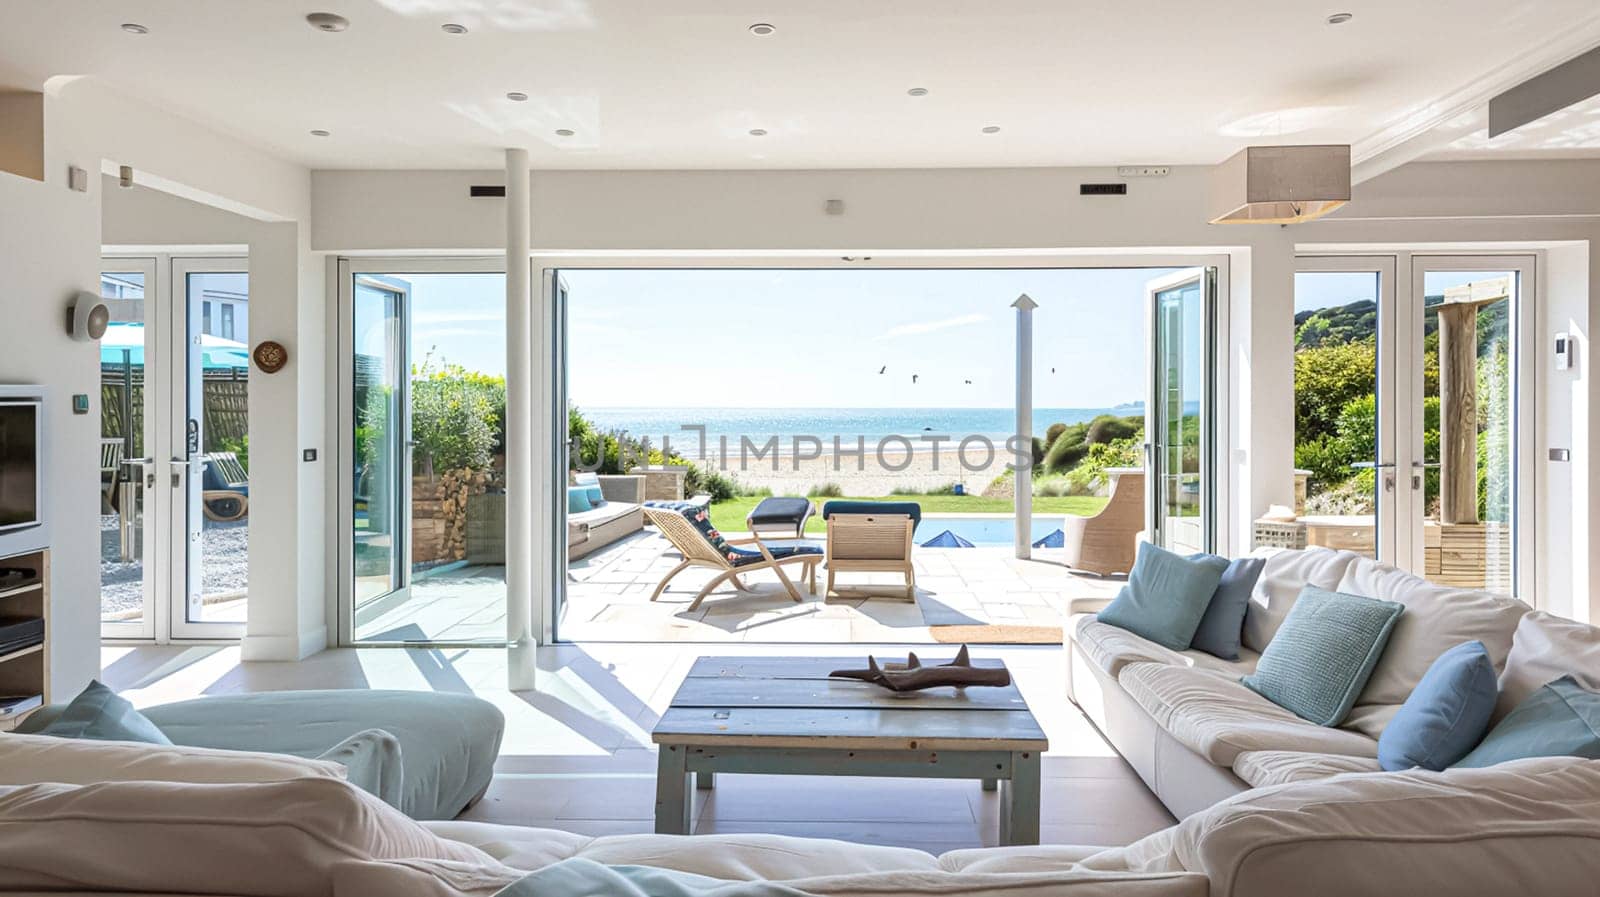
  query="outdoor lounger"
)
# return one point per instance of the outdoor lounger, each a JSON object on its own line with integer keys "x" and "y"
{"x": 688, "y": 527}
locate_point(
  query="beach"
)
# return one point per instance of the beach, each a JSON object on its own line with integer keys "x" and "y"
{"x": 869, "y": 473}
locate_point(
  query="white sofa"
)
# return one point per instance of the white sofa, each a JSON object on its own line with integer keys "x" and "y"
{"x": 620, "y": 514}
{"x": 1197, "y": 736}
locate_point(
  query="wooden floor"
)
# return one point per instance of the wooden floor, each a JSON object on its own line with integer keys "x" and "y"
{"x": 577, "y": 752}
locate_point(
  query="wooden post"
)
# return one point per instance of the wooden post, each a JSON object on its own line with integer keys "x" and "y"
{"x": 1458, "y": 396}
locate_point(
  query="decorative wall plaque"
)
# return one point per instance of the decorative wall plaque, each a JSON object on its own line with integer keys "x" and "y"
{"x": 270, "y": 356}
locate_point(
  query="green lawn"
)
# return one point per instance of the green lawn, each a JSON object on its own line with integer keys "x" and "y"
{"x": 729, "y": 515}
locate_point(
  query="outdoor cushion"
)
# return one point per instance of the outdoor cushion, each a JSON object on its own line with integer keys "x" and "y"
{"x": 1264, "y": 768}
{"x": 780, "y": 510}
{"x": 1215, "y": 716}
{"x": 1446, "y": 715}
{"x": 1437, "y": 618}
{"x": 595, "y": 495}
{"x": 1222, "y": 628}
{"x": 578, "y": 500}
{"x": 1166, "y": 595}
{"x": 1561, "y": 719}
{"x": 448, "y": 742}
{"x": 700, "y": 516}
{"x": 1282, "y": 577}
{"x": 909, "y": 508}
{"x": 740, "y": 557}
{"x": 1545, "y": 648}
{"x": 1323, "y": 654}
{"x": 101, "y": 714}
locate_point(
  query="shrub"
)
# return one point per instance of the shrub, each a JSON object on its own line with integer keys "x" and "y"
{"x": 826, "y": 490}
{"x": 946, "y": 489}
{"x": 1090, "y": 474}
{"x": 714, "y": 483}
{"x": 455, "y": 417}
{"x": 1053, "y": 433}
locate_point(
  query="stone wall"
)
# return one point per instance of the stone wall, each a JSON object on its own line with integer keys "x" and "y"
{"x": 439, "y": 514}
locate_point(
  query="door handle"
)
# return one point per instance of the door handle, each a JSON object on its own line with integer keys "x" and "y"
{"x": 180, "y": 466}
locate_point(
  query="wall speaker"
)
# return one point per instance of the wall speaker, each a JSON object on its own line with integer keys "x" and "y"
{"x": 88, "y": 317}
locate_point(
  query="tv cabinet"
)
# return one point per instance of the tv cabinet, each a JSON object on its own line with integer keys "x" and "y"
{"x": 24, "y": 672}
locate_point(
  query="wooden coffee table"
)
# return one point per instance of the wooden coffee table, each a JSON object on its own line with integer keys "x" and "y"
{"x": 784, "y": 716}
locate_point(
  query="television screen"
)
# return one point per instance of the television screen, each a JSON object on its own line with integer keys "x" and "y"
{"x": 19, "y": 464}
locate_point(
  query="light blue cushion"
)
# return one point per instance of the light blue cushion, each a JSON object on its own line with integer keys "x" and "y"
{"x": 596, "y": 497}
{"x": 1323, "y": 654}
{"x": 1166, "y": 596}
{"x": 578, "y": 500}
{"x": 101, "y": 714}
{"x": 1222, "y": 627}
{"x": 1562, "y": 719}
{"x": 1446, "y": 714}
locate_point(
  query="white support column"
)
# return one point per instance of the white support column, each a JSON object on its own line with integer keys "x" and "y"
{"x": 1023, "y": 480}
{"x": 520, "y": 475}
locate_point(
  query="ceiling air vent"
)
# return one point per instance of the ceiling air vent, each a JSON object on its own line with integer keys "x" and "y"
{"x": 487, "y": 190}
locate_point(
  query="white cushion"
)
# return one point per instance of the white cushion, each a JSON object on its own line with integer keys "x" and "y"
{"x": 1264, "y": 768}
{"x": 274, "y": 839}
{"x": 1526, "y": 827}
{"x": 1283, "y": 575}
{"x": 1218, "y": 718}
{"x": 1545, "y": 648}
{"x": 1436, "y": 619}
{"x": 28, "y": 759}
{"x": 1111, "y": 648}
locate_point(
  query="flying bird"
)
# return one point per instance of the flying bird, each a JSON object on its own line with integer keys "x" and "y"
{"x": 914, "y": 378}
{"x": 968, "y": 382}
{"x": 882, "y": 369}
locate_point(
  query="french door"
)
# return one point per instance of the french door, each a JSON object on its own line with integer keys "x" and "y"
{"x": 1413, "y": 386}
{"x": 1179, "y": 413}
{"x": 174, "y": 449}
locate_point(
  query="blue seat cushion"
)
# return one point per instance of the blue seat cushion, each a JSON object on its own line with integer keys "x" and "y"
{"x": 780, "y": 510}
{"x": 1562, "y": 719}
{"x": 100, "y": 714}
{"x": 1446, "y": 714}
{"x": 1166, "y": 596}
{"x": 740, "y": 557}
{"x": 848, "y": 506}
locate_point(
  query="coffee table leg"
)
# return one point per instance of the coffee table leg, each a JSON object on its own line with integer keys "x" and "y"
{"x": 705, "y": 781}
{"x": 1019, "y": 800}
{"x": 672, "y": 787}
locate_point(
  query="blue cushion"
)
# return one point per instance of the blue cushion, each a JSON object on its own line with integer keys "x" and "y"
{"x": 596, "y": 497}
{"x": 739, "y": 557}
{"x": 1323, "y": 654}
{"x": 909, "y": 508}
{"x": 1446, "y": 714}
{"x": 1562, "y": 719}
{"x": 1166, "y": 596}
{"x": 100, "y": 714}
{"x": 1222, "y": 627}
{"x": 578, "y": 500}
{"x": 700, "y": 516}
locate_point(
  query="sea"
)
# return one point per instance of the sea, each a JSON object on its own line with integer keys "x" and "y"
{"x": 869, "y": 424}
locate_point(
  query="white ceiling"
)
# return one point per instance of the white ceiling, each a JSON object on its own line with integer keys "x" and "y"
{"x": 680, "y": 83}
{"x": 1573, "y": 132}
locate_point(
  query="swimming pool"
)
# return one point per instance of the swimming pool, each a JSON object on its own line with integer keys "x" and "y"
{"x": 984, "y": 531}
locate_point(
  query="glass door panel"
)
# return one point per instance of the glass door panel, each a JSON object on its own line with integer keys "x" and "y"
{"x": 209, "y": 458}
{"x": 380, "y": 516}
{"x": 1178, "y": 411}
{"x": 1345, "y": 478}
{"x": 1466, "y": 456}
{"x": 127, "y": 546}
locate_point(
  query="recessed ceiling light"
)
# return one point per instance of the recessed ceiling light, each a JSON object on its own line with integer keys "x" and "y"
{"x": 453, "y": 28}
{"x": 917, "y": 92}
{"x": 565, "y": 132}
{"x": 991, "y": 129}
{"x": 758, "y": 132}
{"x": 134, "y": 28}
{"x": 1339, "y": 18}
{"x": 328, "y": 21}
{"x": 320, "y": 132}
{"x": 516, "y": 96}
{"x": 762, "y": 29}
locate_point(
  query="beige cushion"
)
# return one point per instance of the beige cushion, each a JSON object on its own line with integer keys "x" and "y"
{"x": 1264, "y": 768}
{"x": 1436, "y": 619}
{"x": 28, "y": 759}
{"x": 520, "y": 847}
{"x": 275, "y": 839}
{"x": 1215, "y": 716}
{"x": 1545, "y": 648}
{"x": 1526, "y": 827}
{"x": 1112, "y": 648}
{"x": 1283, "y": 575}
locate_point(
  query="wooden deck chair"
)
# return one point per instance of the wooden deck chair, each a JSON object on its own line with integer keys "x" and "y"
{"x": 689, "y": 530}
{"x": 111, "y": 454}
{"x": 225, "y": 493}
{"x": 871, "y": 543}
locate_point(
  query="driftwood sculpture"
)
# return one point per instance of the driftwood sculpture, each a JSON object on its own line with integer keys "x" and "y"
{"x": 913, "y": 676}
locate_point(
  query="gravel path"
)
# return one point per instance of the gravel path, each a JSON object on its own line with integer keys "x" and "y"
{"x": 224, "y": 564}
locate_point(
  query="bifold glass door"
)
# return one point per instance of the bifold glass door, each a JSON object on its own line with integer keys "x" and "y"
{"x": 422, "y": 421}
{"x": 1179, "y": 411}
{"x": 1411, "y": 428}
{"x": 175, "y": 450}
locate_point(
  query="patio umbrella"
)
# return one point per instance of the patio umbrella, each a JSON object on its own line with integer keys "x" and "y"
{"x": 123, "y": 343}
{"x": 1055, "y": 539}
{"x": 947, "y": 539}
